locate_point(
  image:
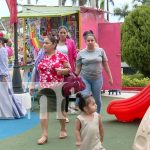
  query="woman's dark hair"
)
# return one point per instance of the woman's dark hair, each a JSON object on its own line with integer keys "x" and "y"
{"x": 87, "y": 32}
{"x": 91, "y": 31}
{"x": 82, "y": 101}
{"x": 53, "y": 39}
{"x": 62, "y": 27}
{"x": 3, "y": 40}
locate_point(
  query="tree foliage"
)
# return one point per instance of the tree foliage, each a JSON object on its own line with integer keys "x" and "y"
{"x": 122, "y": 12}
{"x": 81, "y": 2}
{"x": 144, "y": 2}
{"x": 136, "y": 39}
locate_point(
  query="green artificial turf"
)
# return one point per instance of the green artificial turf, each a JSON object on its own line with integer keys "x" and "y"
{"x": 118, "y": 136}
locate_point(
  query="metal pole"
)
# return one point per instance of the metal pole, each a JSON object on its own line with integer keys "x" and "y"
{"x": 2, "y": 25}
{"x": 59, "y": 3}
{"x": 16, "y": 79}
{"x": 28, "y": 2}
{"x": 108, "y": 10}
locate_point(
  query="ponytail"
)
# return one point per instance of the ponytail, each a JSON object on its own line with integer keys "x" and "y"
{"x": 83, "y": 101}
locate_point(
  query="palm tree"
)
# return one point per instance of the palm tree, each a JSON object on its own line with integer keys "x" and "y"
{"x": 97, "y": 4}
{"x": 81, "y": 2}
{"x": 36, "y": 1}
{"x": 63, "y": 2}
{"x": 142, "y": 1}
{"x": 107, "y": 2}
{"x": 74, "y": 2}
{"x": 122, "y": 12}
{"x": 102, "y": 4}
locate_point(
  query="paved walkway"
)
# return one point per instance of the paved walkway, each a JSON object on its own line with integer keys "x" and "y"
{"x": 124, "y": 94}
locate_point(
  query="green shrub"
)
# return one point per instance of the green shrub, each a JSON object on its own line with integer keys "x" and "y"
{"x": 137, "y": 76}
{"x": 135, "y": 43}
{"x": 135, "y": 81}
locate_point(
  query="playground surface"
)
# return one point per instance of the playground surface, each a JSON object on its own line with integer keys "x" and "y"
{"x": 118, "y": 135}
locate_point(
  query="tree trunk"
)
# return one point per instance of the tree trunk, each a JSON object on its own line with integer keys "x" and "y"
{"x": 93, "y": 3}
{"x": 28, "y": 1}
{"x": 82, "y": 2}
{"x": 108, "y": 10}
{"x": 97, "y": 5}
{"x": 74, "y": 2}
{"x": 59, "y": 3}
{"x": 63, "y": 2}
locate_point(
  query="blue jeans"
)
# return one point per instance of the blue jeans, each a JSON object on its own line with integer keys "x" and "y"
{"x": 94, "y": 86}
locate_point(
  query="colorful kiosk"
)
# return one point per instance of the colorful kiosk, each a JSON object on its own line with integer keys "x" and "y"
{"x": 37, "y": 21}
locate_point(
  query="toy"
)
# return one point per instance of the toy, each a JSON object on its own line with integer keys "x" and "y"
{"x": 127, "y": 110}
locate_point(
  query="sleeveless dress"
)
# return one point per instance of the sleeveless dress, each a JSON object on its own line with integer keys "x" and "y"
{"x": 90, "y": 137}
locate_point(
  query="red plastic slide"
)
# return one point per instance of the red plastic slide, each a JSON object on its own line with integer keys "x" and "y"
{"x": 127, "y": 110}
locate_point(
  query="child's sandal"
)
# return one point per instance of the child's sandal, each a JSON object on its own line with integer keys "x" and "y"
{"x": 63, "y": 134}
{"x": 42, "y": 140}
